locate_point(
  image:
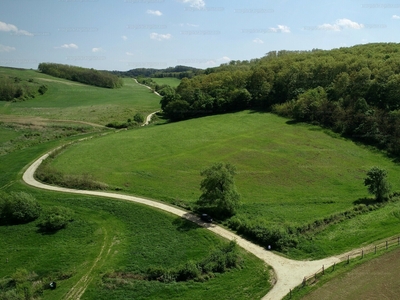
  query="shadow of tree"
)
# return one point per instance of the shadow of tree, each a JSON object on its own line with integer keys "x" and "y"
{"x": 184, "y": 224}
{"x": 366, "y": 201}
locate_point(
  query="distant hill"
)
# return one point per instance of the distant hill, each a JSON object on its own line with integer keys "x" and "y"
{"x": 177, "y": 72}
{"x": 82, "y": 75}
{"x": 353, "y": 90}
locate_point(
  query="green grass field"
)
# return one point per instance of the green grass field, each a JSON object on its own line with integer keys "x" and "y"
{"x": 171, "y": 81}
{"x": 288, "y": 174}
{"x": 67, "y": 100}
{"x": 106, "y": 235}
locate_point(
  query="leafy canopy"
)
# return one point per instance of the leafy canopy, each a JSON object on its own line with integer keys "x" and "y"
{"x": 377, "y": 183}
{"x": 219, "y": 190}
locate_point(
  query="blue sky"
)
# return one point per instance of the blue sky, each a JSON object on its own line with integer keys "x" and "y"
{"x": 128, "y": 34}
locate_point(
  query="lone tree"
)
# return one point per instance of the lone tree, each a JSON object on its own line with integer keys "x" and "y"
{"x": 377, "y": 183}
{"x": 219, "y": 191}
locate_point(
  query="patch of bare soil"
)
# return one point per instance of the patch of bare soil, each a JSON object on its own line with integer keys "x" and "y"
{"x": 375, "y": 279}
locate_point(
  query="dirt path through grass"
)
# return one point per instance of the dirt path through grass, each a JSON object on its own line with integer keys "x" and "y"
{"x": 147, "y": 87}
{"x": 289, "y": 273}
{"x": 80, "y": 287}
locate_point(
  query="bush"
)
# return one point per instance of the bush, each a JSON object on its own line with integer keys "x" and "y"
{"x": 188, "y": 272}
{"x": 138, "y": 118}
{"x": 19, "y": 208}
{"x": 56, "y": 218}
{"x": 42, "y": 89}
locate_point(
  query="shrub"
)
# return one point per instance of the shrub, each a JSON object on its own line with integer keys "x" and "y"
{"x": 188, "y": 272}
{"x": 56, "y": 218}
{"x": 42, "y": 89}
{"x": 19, "y": 208}
{"x": 139, "y": 118}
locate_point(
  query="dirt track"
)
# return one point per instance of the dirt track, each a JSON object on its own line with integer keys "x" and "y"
{"x": 289, "y": 273}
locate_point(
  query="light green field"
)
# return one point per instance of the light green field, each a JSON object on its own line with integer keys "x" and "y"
{"x": 171, "y": 81}
{"x": 133, "y": 238}
{"x": 287, "y": 174}
{"x": 106, "y": 235}
{"x": 67, "y": 100}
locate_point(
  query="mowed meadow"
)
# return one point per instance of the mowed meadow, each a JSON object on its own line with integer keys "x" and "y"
{"x": 288, "y": 174}
{"x": 68, "y": 100}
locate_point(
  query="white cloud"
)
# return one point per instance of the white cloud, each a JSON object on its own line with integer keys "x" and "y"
{"x": 341, "y": 24}
{"x": 97, "y": 49}
{"x": 154, "y": 12}
{"x": 258, "y": 41}
{"x": 194, "y": 3}
{"x": 188, "y": 24}
{"x": 281, "y": 28}
{"x": 13, "y": 29}
{"x": 67, "y": 46}
{"x": 124, "y": 37}
{"x": 225, "y": 58}
{"x": 6, "y": 48}
{"x": 325, "y": 26}
{"x": 346, "y": 23}
{"x": 160, "y": 37}
{"x": 129, "y": 53}
{"x": 396, "y": 17}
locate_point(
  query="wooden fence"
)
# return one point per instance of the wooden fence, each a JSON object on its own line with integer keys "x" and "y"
{"x": 313, "y": 278}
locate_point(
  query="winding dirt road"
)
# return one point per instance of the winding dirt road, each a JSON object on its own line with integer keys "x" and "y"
{"x": 289, "y": 273}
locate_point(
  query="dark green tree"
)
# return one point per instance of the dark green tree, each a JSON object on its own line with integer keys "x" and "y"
{"x": 377, "y": 184}
{"x": 219, "y": 190}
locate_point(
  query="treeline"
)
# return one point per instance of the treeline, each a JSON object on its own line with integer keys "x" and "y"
{"x": 16, "y": 89}
{"x": 354, "y": 91}
{"x": 82, "y": 75}
{"x": 177, "y": 72}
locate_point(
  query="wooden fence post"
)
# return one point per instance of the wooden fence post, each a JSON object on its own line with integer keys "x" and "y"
{"x": 348, "y": 259}
{"x": 290, "y": 293}
{"x": 304, "y": 281}
{"x": 323, "y": 270}
{"x": 362, "y": 255}
{"x": 334, "y": 265}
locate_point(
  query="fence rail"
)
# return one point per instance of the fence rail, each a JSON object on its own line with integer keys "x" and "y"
{"x": 313, "y": 278}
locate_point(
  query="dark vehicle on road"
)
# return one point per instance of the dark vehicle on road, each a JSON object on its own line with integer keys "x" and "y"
{"x": 206, "y": 218}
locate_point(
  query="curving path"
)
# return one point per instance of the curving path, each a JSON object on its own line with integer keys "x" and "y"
{"x": 289, "y": 273}
{"x": 155, "y": 92}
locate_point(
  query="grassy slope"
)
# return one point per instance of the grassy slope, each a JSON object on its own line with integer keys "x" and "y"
{"x": 74, "y": 101}
{"x": 136, "y": 236}
{"x": 171, "y": 81}
{"x": 287, "y": 173}
{"x": 283, "y": 169}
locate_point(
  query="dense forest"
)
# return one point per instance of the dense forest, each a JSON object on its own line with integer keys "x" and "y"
{"x": 354, "y": 91}
{"x": 177, "y": 72}
{"x": 17, "y": 89}
{"x": 82, "y": 75}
